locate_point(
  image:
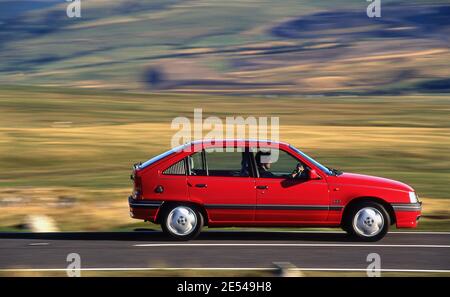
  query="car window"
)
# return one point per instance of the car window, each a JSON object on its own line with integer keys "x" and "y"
{"x": 160, "y": 157}
{"x": 178, "y": 168}
{"x": 225, "y": 163}
{"x": 276, "y": 163}
{"x": 196, "y": 164}
{"x": 321, "y": 167}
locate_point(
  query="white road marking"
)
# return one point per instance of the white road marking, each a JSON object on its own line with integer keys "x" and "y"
{"x": 38, "y": 243}
{"x": 365, "y": 269}
{"x": 217, "y": 268}
{"x": 133, "y": 269}
{"x": 291, "y": 244}
{"x": 329, "y": 232}
{"x": 419, "y": 232}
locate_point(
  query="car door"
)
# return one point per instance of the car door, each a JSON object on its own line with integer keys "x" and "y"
{"x": 284, "y": 200}
{"x": 223, "y": 183}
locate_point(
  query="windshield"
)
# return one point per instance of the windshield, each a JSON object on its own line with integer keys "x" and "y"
{"x": 317, "y": 164}
{"x": 161, "y": 156}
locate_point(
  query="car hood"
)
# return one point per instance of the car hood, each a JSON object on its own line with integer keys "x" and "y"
{"x": 372, "y": 181}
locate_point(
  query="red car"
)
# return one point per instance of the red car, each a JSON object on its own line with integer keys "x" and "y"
{"x": 249, "y": 183}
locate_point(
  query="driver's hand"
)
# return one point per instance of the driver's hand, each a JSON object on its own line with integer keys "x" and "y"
{"x": 298, "y": 170}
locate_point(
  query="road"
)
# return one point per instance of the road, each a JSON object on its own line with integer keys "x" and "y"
{"x": 224, "y": 250}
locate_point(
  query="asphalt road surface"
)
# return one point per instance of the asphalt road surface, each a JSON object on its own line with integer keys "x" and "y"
{"x": 414, "y": 251}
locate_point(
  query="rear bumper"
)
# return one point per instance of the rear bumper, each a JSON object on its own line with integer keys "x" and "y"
{"x": 407, "y": 214}
{"x": 143, "y": 209}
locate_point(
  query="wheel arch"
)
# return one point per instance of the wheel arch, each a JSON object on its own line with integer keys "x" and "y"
{"x": 168, "y": 204}
{"x": 356, "y": 201}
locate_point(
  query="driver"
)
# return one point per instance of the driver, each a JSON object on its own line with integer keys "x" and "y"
{"x": 299, "y": 171}
{"x": 263, "y": 163}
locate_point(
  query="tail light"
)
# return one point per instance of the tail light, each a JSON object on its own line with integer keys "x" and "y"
{"x": 137, "y": 190}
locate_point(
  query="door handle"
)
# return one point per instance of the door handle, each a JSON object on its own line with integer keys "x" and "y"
{"x": 201, "y": 185}
{"x": 262, "y": 187}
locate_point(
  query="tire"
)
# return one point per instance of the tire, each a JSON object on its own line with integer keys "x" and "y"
{"x": 367, "y": 221}
{"x": 182, "y": 222}
{"x": 346, "y": 229}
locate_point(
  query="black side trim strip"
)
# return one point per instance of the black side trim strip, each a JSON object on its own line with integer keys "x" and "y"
{"x": 143, "y": 203}
{"x": 293, "y": 207}
{"x": 273, "y": 206}
{"x": 408, "y": 206}
{"x": 155, "y": 204}
{"x": 230, "y": 206}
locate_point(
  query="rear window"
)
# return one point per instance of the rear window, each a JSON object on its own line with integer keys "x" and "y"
{"x": 178, "y": 168}
{"x": 160, "y": 157}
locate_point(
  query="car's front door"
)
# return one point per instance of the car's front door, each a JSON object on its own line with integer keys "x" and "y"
{"x": 284, "y": 200}
{"x": 223, "y": 183}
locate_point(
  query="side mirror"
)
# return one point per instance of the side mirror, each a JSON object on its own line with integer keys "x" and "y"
{"x": 312, "y": 174}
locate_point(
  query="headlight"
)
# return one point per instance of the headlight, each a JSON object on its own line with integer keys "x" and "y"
{"x": 413, "y": 197}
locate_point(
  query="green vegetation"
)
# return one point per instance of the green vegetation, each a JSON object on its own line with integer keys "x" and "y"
{"x": 89, "y": 140}
{"x": 233, "y": 47}
{"x": 61, "y": 142}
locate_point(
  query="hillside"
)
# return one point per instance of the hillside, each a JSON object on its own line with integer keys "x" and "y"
{"x": 228, "y": 47}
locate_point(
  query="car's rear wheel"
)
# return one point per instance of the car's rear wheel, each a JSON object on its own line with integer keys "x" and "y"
{"x": 368, "y": 221}
{"x": 182, "y": 222}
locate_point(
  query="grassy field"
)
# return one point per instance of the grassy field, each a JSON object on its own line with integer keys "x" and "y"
{"x": 58, "y": 144}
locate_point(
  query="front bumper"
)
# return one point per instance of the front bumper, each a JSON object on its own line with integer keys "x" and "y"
{"x": 408, "y": 206}
{"x": 407, "y": 214}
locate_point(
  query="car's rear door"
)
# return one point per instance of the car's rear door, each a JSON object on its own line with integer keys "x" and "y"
{"x": 223, "y": 183}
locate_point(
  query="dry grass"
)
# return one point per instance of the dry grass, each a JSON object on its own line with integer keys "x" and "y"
{"x": 62, "y": 143}
{"x": 90, "y": 213}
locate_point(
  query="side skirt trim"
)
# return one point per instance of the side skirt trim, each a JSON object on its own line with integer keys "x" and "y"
{"x": 274, "y": 207}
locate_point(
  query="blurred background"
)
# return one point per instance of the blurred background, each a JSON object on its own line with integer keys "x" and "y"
{"x": 82, "y": 99}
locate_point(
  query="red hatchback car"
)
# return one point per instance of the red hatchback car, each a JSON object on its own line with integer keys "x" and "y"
{"x": 251, "y": 183}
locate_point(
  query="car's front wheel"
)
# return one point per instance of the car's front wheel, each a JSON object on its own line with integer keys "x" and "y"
{"x": 182, "y": 222}
{"x": 368, "y": 221}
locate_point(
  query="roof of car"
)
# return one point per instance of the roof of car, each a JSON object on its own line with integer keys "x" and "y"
{"x": 225, "y": 140}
